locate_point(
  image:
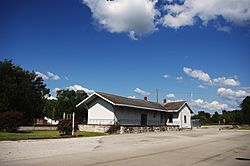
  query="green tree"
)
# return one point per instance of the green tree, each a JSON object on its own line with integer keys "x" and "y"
{"x": 205, "y": 117}
{"x": 21, "y": 91}
{"x": 67, "y": 101}
{"x": 51, "y": 109}
{"x": 226, "y": 117}
{"x": 232, "y": 117}
{"x": 215, "y": 118}
{"x": 245, "y": 108}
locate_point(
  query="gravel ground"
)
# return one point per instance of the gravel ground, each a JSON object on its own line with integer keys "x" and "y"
{"x": 197, "y": 147}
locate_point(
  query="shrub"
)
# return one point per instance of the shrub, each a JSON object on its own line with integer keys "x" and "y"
{"x": 10, "y": 121}
{"x": 65, "y": 126}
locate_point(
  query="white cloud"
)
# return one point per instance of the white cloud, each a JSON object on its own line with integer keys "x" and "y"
{"x": 174, "y": 100}
{"x": 199, "y": 74}
{"x": 203, "y": 76}
{"x": 132, "y": 35}
{"x": 44, "y": 76}
{"x": 141, "y": 92}
{"x": 141, "y": 17}
{"x": 213, "y": 106}
{"x": 55, "y": 90}
{"x": 52, "y": 98}
{"x": 132, "y": 97}
{"x": 66, "y": 78}
{"x": 48, "y": 76}
{"x": 225, "y": 81}
{"x": 170, "y": 95}
{"x": 53, "y": 76}
{"x": 223, "y": 28}
{"x": 179, "y": 78}
{"x": 232, "y": 94}
{"x": 79, "y": 87}
{"x": 134, "y": 17}
{"x": 166, "y": 76}
{"x": 233, "y": 11}
{"x": 202, "y": 86}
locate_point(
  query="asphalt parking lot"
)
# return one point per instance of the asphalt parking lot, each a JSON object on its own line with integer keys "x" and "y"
{"x": 196, "y": 147}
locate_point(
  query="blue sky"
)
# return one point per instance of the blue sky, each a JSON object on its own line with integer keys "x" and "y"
{"x": 127, "y": 47}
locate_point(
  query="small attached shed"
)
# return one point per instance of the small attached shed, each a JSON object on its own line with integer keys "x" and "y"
{"x": 108, "y": 109}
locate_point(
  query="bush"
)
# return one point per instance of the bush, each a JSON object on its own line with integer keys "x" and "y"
{"x": 65, "y": 126}
{"x": 10, "y": 121}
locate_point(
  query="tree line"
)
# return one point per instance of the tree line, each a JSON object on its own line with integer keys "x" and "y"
{"x": 241, "y": 116}
{"x": 24, "y": 97}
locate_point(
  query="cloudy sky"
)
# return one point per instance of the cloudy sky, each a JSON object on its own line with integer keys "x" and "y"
{"x": 194, "y": 50}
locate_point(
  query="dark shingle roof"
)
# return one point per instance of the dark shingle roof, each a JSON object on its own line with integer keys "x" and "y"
{"x": 119, "y": 100}
{"x": 174, "y": 105}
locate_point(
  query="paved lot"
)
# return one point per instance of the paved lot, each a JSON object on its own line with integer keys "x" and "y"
{"x": 197, "y": 147}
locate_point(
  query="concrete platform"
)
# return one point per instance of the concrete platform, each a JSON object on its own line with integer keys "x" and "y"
{"x": 196, "y": 147}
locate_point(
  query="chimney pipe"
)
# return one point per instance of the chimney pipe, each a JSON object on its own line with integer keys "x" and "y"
{"x": 164, "y": 101}
{"x": 145, "y": 98}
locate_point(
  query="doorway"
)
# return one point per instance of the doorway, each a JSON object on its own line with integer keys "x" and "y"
{"x": 144, "y": 119}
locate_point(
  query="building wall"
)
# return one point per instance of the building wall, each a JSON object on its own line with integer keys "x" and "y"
{"x": 132, "y": 116}
{"x": 185, "y": 112}
{"x": 103, "y": 113}
{"x": 100, "y": 112}
{"x": 178, "y": 118}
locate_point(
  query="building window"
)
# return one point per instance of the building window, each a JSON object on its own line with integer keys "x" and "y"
{"x": 154, "y": 115}
{"x": 185, "y": 119}
{"x": 161, "y": 118}
{"x": 170, "y": 118}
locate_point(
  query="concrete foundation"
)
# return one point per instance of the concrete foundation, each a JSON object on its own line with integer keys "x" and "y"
{"x": 143, "y": 129}
{"x": 95, "y": 128}
{"x": 126, "y": 129}
{"x": 48, "y": 128}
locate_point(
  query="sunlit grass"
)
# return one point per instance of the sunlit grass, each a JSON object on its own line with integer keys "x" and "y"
{"x": 23, "y": 135}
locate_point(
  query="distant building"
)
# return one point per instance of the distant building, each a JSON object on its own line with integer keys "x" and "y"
{"x": 108, "y": 109}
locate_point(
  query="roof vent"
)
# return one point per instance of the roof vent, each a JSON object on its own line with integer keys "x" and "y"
{"x": 145, "y": 98}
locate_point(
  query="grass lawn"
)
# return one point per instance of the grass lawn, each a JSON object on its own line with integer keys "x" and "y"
{"x": 23, "y": 135}
{"x": 244, "y": 128}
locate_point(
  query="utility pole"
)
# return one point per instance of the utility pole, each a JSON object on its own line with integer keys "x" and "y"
{"x": 191, "y": 97}
{"x": 73, "y": 123}
{"x": 53, "y": 113}
{"x": 157, "y": 91}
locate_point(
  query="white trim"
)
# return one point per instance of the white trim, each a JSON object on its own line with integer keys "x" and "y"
{"x": 85, "y": 100}
{"x": 153, "y": 109}
{"x": 181, "y": 107}
{"x": 96, "y": 95}
{"x": 187, "y": 106}
{"x": 105, "y": 99}
{"x": 126, "y": 105}
{"x": 172, "y": 111}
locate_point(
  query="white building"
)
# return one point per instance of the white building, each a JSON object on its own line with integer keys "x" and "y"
{"x": 107, "y": 109}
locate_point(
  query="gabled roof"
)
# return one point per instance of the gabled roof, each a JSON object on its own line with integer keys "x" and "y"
{"x": 135, "y": 103}
{"x": 174, "y": 105}
{"x": 124, "y": 101}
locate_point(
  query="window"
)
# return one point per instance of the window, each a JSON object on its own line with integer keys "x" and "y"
{"x": 161, "y": 118}
{"x": 154, "y": 115}
{"x": 170, "y": 117}
{"x": 144, "y": 119}
{"x": 185, "y": 119}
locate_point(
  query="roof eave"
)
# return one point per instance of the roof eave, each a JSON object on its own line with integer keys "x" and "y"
{"x": 88, "y": 98}
{"x": 147, "y": 108}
